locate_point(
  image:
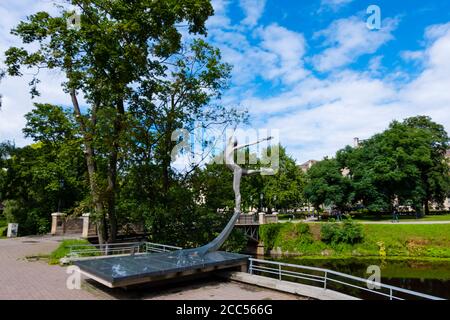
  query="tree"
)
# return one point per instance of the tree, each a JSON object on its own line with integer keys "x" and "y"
{"x": 430, "y": 159}
{"x": 405, "y": 164}
{"x": 189, "y": 98}
{"x": 284, "y": 190}
{"x": 46, "y": 176}
{"x": 117, "y": 44}
{"x": 328, "y": 186}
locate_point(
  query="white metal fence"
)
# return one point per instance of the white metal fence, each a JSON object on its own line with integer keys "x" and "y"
{"x": 325, "y": 277}
{"x": 87, "y": 250}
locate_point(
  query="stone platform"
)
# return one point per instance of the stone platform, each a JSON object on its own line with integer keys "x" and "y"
{"x": 151, "y": 267}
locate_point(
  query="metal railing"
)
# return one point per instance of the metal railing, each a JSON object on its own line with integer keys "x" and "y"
{"x": 325, "y": 276}
{"x": 156, "y": 247}
{"x": 86, "y": 250}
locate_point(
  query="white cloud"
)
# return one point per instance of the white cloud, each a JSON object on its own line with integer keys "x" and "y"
{"x": 15, "y": 91}
{"x": 348, "y": 39}
{"x": 253, "y": 10}
{"x": 333, "y": 4}
{"x": 277, "y": 55}
{"x": 436, "y": 31}
{"x": 409, "y": 55}
{"x": 288, "y": 49}
{"x": 220, "y": 18}
{"x": 320, "y": 116}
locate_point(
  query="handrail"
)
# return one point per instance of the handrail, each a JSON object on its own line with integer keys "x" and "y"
{"x": 106, "y": 244}
{"x": 280, "y": 272}
{"x": 164, "y": 245}
{"x": 116, "y": 248}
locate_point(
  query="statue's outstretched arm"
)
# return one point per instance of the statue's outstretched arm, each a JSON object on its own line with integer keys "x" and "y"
{"x": 251, "y": 144}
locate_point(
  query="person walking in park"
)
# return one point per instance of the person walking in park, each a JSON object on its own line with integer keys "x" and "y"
{"x": 395, "y": 215}
{"x": 338, "y": 215}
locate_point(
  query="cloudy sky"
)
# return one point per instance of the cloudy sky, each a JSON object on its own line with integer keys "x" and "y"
{"x": 312, "y": 69}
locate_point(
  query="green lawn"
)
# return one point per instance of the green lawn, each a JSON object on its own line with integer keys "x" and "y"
{"x": 397, "y": 240}
{"x": 63, "y": 249}
{"x": 442, "y": 217}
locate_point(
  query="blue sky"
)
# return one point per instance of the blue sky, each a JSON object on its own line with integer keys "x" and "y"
{"x": 311, "y": 69}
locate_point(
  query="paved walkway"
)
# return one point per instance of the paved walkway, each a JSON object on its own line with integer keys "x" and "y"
{"x": 200, "y": 289}
{"x": 33, "y": 279}
{"x": 22, "y": 278}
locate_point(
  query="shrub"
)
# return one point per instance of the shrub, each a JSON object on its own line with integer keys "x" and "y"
{"x": 330, "y": 232}
{"x": 31, "y": 221}
{"x": 268, "y": 233}
{"x": 351, "y": 232}
{"x": 347, "y": 232}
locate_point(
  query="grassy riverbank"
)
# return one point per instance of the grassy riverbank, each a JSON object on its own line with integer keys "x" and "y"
{"x": 396, "y": 240}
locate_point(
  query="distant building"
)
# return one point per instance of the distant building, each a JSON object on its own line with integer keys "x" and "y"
{"x": 307, "y": 165}
{"x": 357, "y": 142}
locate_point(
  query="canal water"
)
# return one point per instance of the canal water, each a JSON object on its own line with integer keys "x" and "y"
{"x": 429, "y": 277}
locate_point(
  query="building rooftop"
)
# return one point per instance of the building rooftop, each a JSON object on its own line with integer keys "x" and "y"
{"x": 307, "y": 165}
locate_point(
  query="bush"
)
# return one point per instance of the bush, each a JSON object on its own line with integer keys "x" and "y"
{"x": 330, "y": 232}
{"x": 351, "y": 232}
{"x": 347, "y": 232}
{"x": 31, "y": 221}
{"x": 268, "y": 233}
{"x": 3, "y": 227}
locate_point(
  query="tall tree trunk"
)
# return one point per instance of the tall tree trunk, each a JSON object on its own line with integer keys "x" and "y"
{"x": 168, "y": 147}
{"x": 90, "y": 162}
{"x": 112, "y": 170}
{"x": 166, "y": 164}
{"x": 111, "y": 191}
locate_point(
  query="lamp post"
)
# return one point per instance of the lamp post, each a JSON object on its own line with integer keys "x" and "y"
{"x": 261, "y": 197}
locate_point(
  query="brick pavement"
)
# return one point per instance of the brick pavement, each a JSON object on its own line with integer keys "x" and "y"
{"x": 29, "y": 280}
